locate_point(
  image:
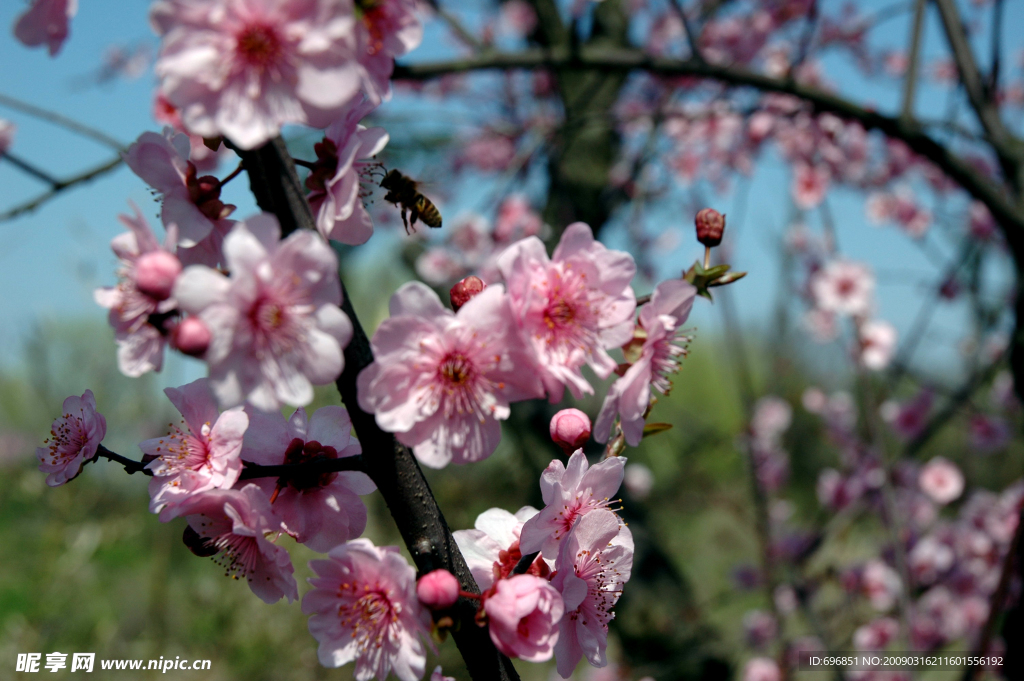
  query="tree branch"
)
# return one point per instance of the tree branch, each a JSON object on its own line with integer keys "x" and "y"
{"x": 30, "y": 169}
{"x": 1005, "y": 211}
{"x": 389, "y": 463}
{"x": 1008, "y": 148}
{"x": 60, "y": 120}
{"x": 691, "y": 35}
{"x": 910, "y": 78}
{"x": 60, "y": 186}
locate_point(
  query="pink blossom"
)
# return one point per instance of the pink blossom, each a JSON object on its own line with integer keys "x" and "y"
{"x": 438, "y": 589}
{"x": 487, "y": 152}
{"x": 881, "y": 584}
{"x": 491, "y": 549}
{"x": 140, "y": 319}
{"x": 244, "y": 68}
{"x": 46, "y": 23}
{"x": 929, "y": 558}
{"x": 190, "y": 202}
{"x": 810, "y": 183}
{"x": 523, "y": 614}
{"x": 236, "y": 523}
{"x": 74, "y": 439}
{"x": 334, "y": 182}
{"x": 988, "y": 433}
{"x": 516, "y": 218}
{"x": 982, "y": 224}
{"x": 571, "y": 307}
{"x": 761, "y": 669}
{"x": 639, "y": 480}
{"x": 364, "y": 608}
{"x": 438, "y": 675}
{"x": 593, "y": 564}
{"x": 439, "y": 266}
{"x": 570, "y": 429}
{"x": 276, "y": 325}
{"x": 388, "y": 29}
{"x": 759, "y": 627}
{"x": 320, "y": 511}
{"x": 844, "y": 287}
{"x": 6, "y": 134}
{"x": 570, "y": 493}
{"x": 876, "y": 635}
{"x": 941, "y": 480}
{"x": 443, "y": 381}
{"x": 660, "y": 352}
{"x": 877, "y": 343}
{"x": 909, "y": 418}
{"x": 204, "y": 455}
{"x": 202, "y": 156}
{"x": 517, "y": 17}
{"x": 821, "y": 325}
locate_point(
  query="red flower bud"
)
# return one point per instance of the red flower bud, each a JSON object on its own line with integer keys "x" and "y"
{"x": 464, "y": 291}
{"x": 438, "y": 590}
{"x": 570, "y": 429}
{"x": 191, "y": 337}
{"x": 155, "y": 273}
{"x": 710, "y": 225}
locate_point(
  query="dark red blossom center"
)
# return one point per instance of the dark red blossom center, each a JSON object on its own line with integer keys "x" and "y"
{"x": 456, "y": 369}
{"x": 259, "y": 46}
{"x": 308, "y": 452}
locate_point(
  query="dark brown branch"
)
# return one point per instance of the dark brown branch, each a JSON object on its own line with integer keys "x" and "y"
{"x": 910, "y": 78}
{"x": 60, "y": 120}
{"x": 1009, "y": 149}
{"x": 388, "y": 463}
{"x": 957, "y": 400}
{"x": 61, "y": 186}
{"x": 131, "y": 466}
{"x": 912, "y": 134}
{"x": 310, "y": 468}
{"x": 30, "y": 169}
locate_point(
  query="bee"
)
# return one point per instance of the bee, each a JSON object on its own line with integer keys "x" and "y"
{"x": 403, "y": 192}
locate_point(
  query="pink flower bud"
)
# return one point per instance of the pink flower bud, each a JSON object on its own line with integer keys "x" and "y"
{"x": 155, "y": 273}
{"x": 191, "y": 337}
{"x": 710, "y": 225}
{"x": 438, "y": 589}
{"x": 570, "y": 429}
{"x": 465, "y": 290}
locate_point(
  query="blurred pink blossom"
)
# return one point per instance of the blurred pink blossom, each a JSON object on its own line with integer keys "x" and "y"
{"x": 6, "y": 134}
{"x": 761, "y": 669}
{"x": 844, "y": 287}
{"x": 810, "y": 183}
{"x": 941, "y": 480}
{"x": 244, "y": 68}
{"x": 881, "y": 584}
{"x": 139, "y": 318}
{"x": 45, "y": 23}
{"x": 74, "y": 439}
{"x": 877, "y": 343}
{"x": 908, "y": 419}
{"x": 988, "y": 433}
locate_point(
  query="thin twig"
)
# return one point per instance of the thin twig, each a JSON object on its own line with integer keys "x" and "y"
{"x": 59, "y": 187}
{"x": 309, "y": 468}
{"x": 997, "y": 49}
{"x": 456, "y": 26}
{"x": 910, "y": 77}
{"x": 60, "y": 120}
{"x": 30, "y": 169}
{"x": 131, "y": 466}
{"x": 691, "y": 34}
{"x": 805, "y": 40}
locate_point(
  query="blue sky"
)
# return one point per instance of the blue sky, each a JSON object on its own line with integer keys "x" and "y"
{"x": 51, "y": 259}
